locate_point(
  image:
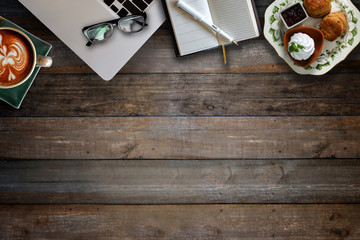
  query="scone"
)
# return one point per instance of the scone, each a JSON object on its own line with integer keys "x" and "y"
{"x": 317, "y": 8}
{"x": 333, "y": 25}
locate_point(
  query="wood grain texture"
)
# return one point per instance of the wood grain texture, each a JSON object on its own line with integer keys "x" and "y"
{"x": 157, "y": 56}
{"x": 191, "y": 94}
{"x": 180, "y": 182}
{"x": 305, "y": 222}
{"x": 180, "y": 138}
{"x": 269, "y": 154}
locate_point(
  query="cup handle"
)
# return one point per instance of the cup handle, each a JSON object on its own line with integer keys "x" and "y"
{"x": 43, "y": 61}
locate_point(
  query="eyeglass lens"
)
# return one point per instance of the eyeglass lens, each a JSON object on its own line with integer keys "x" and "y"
{"x": 99, "y": 32}
{"x": 103, "y": 31}
{"x": 131, "y": 23}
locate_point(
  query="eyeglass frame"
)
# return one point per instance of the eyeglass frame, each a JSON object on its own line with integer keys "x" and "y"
{"x": 114, "y": 22}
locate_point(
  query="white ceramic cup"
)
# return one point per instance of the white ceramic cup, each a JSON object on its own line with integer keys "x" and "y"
{"x": 38, "y": 60}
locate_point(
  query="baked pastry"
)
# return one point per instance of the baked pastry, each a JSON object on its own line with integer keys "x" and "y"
{"x": 333, "y": 25}
{"x": 317, "y": 8}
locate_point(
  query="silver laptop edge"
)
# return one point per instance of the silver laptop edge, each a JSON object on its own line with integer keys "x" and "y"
{"x": 66, "y": 18}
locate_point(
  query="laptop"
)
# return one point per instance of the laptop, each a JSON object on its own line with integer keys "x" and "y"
{"x": 66, "y": 18}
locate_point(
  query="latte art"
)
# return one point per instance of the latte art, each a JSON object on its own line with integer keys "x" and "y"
{"x": 15, "y": 57}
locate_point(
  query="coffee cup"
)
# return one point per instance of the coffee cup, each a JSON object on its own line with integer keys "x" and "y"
{"x": 18, "y": 58}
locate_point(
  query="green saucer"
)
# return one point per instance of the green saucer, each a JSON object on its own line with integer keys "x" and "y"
{"x": 15, "y": 96}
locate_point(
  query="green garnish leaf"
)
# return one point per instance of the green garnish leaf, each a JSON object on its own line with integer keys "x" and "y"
{"x": 295, "y": 47}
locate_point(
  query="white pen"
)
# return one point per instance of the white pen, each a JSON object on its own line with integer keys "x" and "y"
{"x": 199, "y": 17}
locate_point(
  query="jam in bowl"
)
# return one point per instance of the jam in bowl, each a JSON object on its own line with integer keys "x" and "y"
{"x": 293, "y": 15}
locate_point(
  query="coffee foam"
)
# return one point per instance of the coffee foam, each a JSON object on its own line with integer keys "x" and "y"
{"x": 16, "y": 57}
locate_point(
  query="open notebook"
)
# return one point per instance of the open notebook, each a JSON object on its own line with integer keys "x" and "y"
{"x": 238, "y": 18}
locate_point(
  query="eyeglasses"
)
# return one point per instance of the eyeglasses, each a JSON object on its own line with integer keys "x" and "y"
{"x": 102, "y": 31}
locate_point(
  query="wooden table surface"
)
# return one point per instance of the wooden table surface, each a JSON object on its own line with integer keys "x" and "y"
{"x": 181, "y": 148}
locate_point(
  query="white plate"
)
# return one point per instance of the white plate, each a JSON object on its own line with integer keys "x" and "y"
{"x": 332, "y": 52}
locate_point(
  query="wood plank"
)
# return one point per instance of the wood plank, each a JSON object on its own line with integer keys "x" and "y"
{"x": 157, "y": 56}
{"x": 306, "y": 222}
{"x": 179, "y": 182}
{"x": 191, "y": 94}
{"x": 180, "y": 138}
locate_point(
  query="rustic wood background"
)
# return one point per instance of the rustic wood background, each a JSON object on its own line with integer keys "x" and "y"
{"x": 181, "y": 148}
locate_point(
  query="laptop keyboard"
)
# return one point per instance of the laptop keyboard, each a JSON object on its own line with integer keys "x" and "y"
{"x": 128, "y": 7}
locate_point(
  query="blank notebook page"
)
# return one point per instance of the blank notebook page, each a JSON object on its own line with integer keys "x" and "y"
{"x": 191, "y": 35}
{"x": 235, "y": 17}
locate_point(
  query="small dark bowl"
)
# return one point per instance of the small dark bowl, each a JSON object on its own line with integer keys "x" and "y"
{"x": 315, "y": 34}
{"x": 298, "y": 15}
